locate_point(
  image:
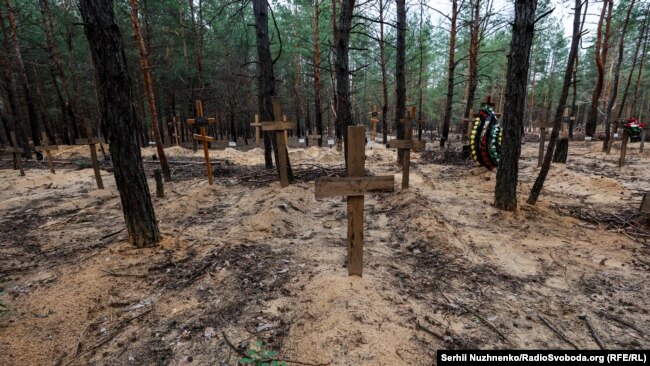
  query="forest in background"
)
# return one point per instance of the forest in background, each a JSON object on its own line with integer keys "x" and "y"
{"x": 206, "y": 50}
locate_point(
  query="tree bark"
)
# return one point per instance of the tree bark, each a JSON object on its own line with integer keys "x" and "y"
{"x": 22, "y": 73}
{"x": 384, "y": 77}
{"x": 120, "y": 120}
{"x": 472, "y": 68}
{"x": 523, "y": 28}
{"x": 617, "y": 69}
{"x": 451, "y": 71}
{"x": 557, "y": 120}
{"x": 343, "y": 105}
{"x": 149, "y": 90}
{"x": 318, "y": 112}
{"x": 400, "y": 78}
{"x": 602, "y": 45}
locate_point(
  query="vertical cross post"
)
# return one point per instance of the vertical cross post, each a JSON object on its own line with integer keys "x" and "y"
{"x": 257, "y": 125}
{"x": 92, "y": 142}
{"x": 280, "y": 129}
{"x": 203, "y": 123}
{"x": 406, "y": 145}
{"x": 314, "y": 137}
{"x": 644, "y": 133}
{"x": 354, "y": 186}
{"x": 626, "y": 136}
{"x": 15, "y": 151}
{"x": 47, "y": 147}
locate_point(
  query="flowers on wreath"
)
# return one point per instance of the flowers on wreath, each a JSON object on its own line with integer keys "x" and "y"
{"x": 634, "y": 127}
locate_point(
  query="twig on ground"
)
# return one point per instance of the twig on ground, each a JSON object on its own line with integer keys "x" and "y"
{"x": 557, "y": 331}
{"x": 592, "y": 330}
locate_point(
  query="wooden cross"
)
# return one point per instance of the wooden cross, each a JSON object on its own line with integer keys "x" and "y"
{"x": 45, "y": 146}
{"x": 470, "y": 122}
{"x": 354, "y": 186}
{"x": 203, "y": 123}
{"x": 488, "y": 101}
{"x": 15, "y": 150}
{"x": 406, "y": 145}
{"x": 314, "y": 137}
{"x": 257, "y": 126}
{"x": 373, "y": 134}
{"x": 644, "y": 133}
{"x": 174, "y": 123}
{"x": 280, "y": 129}
{"x": 91, "y": 142}
{"x": 284, "y": 119}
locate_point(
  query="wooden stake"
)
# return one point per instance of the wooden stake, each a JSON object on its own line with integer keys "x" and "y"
{"x": 643, "y": 137}
{"x": 160, "y": 189}
{"x": 92, "y": 142}
{"x": 406, "y": 145}
{"x": 15, "y": 151}
{"x": 257, "y": 126}
{"x": 47, "y": 147}
{"x": 626, "y": 136}
{"x": 354, "y": 186}
{"x": 645, "y": 203}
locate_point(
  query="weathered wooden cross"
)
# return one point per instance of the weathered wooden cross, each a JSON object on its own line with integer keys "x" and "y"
{"x": 15, "y": 150}
{"x": 280, "y": 128}
{"x": 91, "y": 142}
{"x": 314, "y": 137}
{"x": 174, "y": 124}
{"x": 354, "y": 186}
{"x": 373, "y": 133}
{"x": 470, "y": 122}
{"x": 542, "y": 139}
{"x": 203, "y": 123}
{"x": 406, "y": 145}
{"x": 47, "y": 148}
{"x": 257, "y": 125}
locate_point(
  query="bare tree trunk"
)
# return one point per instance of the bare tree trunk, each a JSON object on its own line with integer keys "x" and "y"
{"x": 384, "y": 77}
{"x": 22, "y": 73}
{"x": 472, "y": 70}
{"x": 317, "y": 78}
{"x": 120, "y": 120}
{"x": 148, "y": 87}
{"x": 450, "y": 74}
{"x": 638, "y": 78}
{"x": 343, "y": 106}
{"x": 557, "y": 120}
{"x": 617, "y": 69}
{"x": 523, "y": 28}
{"x": 400, "y": 78}
{"x": 601, "y": 61}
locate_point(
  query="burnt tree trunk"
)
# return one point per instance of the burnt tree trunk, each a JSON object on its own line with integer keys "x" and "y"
{"x": 451, "y": 73}
{"x": 343, "y": 106}
{"x": 557, "y": 120}
{"x": 400, "y": 77}
{"x": 523, "y": 28}
{"x": 120, "y": 120}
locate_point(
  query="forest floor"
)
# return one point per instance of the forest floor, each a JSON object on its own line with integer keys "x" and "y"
{"x": 244, "y": 260}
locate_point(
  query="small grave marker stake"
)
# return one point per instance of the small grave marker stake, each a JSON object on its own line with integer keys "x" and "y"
{"x": 91, "y": 142}
{"x": 47, "y": 147}
{"x": 257, "y": 126}
{"x": 15, "y": 150}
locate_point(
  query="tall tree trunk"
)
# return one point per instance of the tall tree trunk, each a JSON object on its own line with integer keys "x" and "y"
{"x": 120, "y": 120}
{"x": 317, "y": 77}
{"x": 557, "y": 120}
{"x": 420, "y": 71}
{"x": 384, "y": 77}
{"x": 148, "y": 87}
{"x": 400, "y": 78}
{"x": 451, "y": 71}
{"x": 472, "y": 68}
{"x": 523, "y": 28}
{"x": 266, "y": 82}
{"x": 638, "y": 78}
{"x": 22, "y": 73}
{"x": 343, "y": 104}
{"x": 602, "y": 45}
{"x": 617, "y": 69}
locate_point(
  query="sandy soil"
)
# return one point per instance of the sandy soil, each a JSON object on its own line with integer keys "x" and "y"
{"x": 251, "y": 261}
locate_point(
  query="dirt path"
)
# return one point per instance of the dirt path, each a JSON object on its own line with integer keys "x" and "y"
{"x": 443, "y": 268}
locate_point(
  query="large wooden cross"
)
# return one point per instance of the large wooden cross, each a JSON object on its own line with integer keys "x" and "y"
{"x": 406, "y": 145}
{"x": 314, "y": 137}
{"x": 354, "y": 186}
{"x": 257, "y": 126}
{"x": 45, "y": 146}
{"x": 203, "y": 123}
{"x": 15, "y": 150}
{"x": 280, "y": 128}
{"x": 91, "y": 142}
